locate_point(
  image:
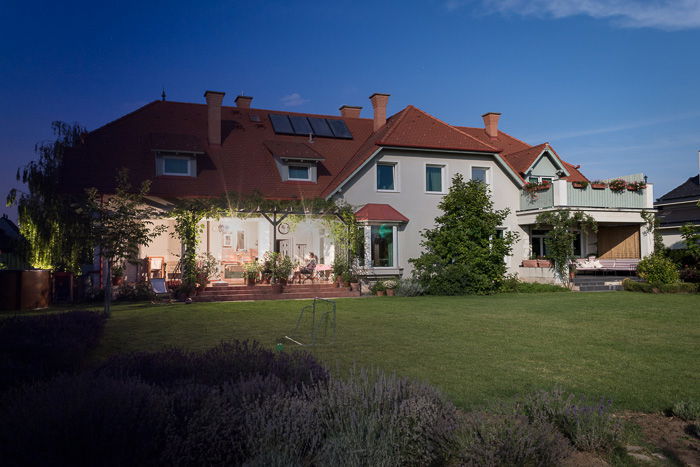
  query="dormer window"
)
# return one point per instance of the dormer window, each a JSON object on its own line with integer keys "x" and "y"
{"x": 299, "y": 172}
{"x": 176, "y": 164}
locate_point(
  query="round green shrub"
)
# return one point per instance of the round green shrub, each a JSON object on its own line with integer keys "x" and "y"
{"x": 658, "y": 270}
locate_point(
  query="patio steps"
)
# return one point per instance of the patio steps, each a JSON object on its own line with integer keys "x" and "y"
{"x": 230, "y": 293}
{"x": 600, "y": 283}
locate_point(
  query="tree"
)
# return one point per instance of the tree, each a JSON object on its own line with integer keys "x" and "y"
{"x": 464, "y": 253}
{"x": 120, "y": 224}
{"x": 560, "y": 239}
{"x": 58, "y": 236}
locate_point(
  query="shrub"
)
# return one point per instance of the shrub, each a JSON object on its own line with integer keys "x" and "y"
{"x": 37, "y": 347}
{"x": 409, "y": 288}
{"x": 383, "y": 420}
{"x": 688, "y": 274}
{"x": 687, "y": 410}
{"x": 377, "y": 287}
{"x": 514, "y": 285}
{"x": 138, "y": 291}
{"x": 488, "y": 439}
{"x": 227, "y": 362}
{"x": 80, "y": 420}
{"x": 680, "y": 287}
{"x": 658, "y": 270}
{"x": 682, "y": 257}
{"x": 589, "y": 425}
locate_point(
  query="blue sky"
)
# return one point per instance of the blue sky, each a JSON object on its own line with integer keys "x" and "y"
{"x": 611, "y": 84}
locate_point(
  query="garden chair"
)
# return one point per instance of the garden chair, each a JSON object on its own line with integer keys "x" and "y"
{"x": 160, "y": 289}
{"x": 309, "y": 275}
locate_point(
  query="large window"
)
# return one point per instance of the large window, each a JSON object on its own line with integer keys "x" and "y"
{"x": 480, "y": 173}
{"x": 182, "y": 166}
{"x": 433, "y": 178}
{"x": 382, "y": 245}
{"x": 299, "y": 172}
{"x": 386, "y": 175}
{"x": 539, "y": 247}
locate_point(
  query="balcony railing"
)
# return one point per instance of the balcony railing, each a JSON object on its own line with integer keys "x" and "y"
{"x": 563, "y": 194}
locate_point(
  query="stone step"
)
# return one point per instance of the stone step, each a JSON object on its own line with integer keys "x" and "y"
{"x": 269, "y": 290}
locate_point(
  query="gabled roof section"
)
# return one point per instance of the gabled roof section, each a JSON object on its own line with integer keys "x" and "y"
{"x": 379, "y": 212}
{"x": 293, "y": 150}
{"x": 417, "y": 129}
{"x": 686, "y": 191}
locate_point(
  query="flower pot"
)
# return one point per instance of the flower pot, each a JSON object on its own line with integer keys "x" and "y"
{"x": 346, "y": 284}
{"x": 337, "y": 283}
{"x": 354, "y": 286}
{"x": 580, "y": 185}
{"x": 381, "y": 293}
{"x": 277, "y": 288}
{"x": 598, "y": 186}
{"x": 250, "y": 281}
{"x": 544, "y": 263}
{"x": 530, "y": 263}
{"x": 390, "y": 292}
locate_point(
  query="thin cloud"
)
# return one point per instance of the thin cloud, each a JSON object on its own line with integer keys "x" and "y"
{"x": 618, "y": 128}
{"x": 668, "y": 15}
{"x": 293, "y": 100}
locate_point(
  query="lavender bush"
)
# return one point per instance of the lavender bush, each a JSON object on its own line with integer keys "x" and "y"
{"x": 589, "y": 425}
{"x": 37, "y": 347}
{"x": 227, "y": 362}
{"x": 509, "y": 439}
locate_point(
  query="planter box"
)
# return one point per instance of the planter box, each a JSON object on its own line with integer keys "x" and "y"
{"x": 580, "y": 185}
{"x": 598, "y": 186}
{"x": 529, "y": 263}
{"x": 544, "y": 263}
{"x": 390, "y": 292}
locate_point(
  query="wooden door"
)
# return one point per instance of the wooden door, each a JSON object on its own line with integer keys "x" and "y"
{"x": 619, "y": 242}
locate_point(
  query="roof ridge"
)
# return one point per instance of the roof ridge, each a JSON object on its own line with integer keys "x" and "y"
{"x": 455, "y": 128}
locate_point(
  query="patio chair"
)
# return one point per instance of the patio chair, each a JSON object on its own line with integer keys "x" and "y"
{"x": 307, "y": 274}
{"x": 160, "y": 289}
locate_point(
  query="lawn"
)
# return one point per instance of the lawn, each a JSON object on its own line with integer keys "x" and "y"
{"x": 641, "y": 350}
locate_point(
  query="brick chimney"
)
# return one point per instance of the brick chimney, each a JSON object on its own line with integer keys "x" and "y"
{"x": 379, "y": 102}
{"x": 350, "y": 111}
{"x": 243, "y": 102}
{"x": 491, "y": 124}
{"x": 214, "y": 99}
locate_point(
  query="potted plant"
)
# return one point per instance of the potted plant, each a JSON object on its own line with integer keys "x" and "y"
{"x": 117, "y": 274}
{"x": 598, "y": 185}
{"x": 618, "y": 185}
{"x": 354, "y": 282}
{"x": 390, "y": 285}
{"x": 207, "y": 266}
{"x": 636, "y": 186}
{"x": 580, "y": 185}
{"x": 268, "y": 265}
{"x": 281, "y": 269}
{"x": 251, "y": 272}
{"x": 345, "y": 279}
{"x": 340, "y": 267}
{"x": 378, "y": 289}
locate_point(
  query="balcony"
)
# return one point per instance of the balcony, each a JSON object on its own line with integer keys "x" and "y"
{"x": 563, "y": 194}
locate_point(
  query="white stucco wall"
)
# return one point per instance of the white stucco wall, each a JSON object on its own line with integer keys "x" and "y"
{"x": 411, "y": 199}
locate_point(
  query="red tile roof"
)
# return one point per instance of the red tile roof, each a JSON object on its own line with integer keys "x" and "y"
{"x": 379, "y": 212}
{"x": 244, "y": 162}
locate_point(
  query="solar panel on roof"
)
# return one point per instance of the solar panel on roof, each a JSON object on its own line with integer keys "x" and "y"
{"x": 339, "y": 128}
{"x": 281, "y": 124}
{"x": 320, "y": 127}
{"x": 300, "y": 124}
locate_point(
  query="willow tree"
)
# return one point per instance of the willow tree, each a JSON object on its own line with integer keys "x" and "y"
{"x": 58, "y": 235}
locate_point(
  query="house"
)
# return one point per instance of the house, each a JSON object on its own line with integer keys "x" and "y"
{"x": 392, "y": 169}
{"x": 678, "y": 207}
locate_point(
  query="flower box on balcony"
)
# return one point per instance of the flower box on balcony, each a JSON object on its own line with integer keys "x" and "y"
{"x": 529, "y": 263}
{"x": 636, "y": 186}
{"x": 580, "y": 185}
{"x": 598, "y": 185}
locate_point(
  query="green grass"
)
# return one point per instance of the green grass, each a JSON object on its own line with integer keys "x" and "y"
{"x": 639, "y": 349}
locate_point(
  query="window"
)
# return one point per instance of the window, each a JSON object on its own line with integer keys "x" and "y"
{"x": 480, "y": 173}
{"x": 539, "y": 248}
{"x": 433, "y": 178}
{"x": 299, "y": 172}
{"x": 228, "y": 240}
{"x": 382, "y": 245}
{"x": 386, "y": 176}
{"x": 537, "y": 179}
{"x": 182, "y": 166}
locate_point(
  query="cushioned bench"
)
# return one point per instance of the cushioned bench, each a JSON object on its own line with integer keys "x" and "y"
{"x": 583, "y": 264}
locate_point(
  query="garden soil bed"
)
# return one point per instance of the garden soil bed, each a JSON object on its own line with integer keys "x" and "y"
{"x": 669, "y": 436}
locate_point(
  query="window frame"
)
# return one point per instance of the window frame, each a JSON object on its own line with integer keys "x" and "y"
{"x": 191, "y": 165}
{"x": 443, "y": 172}
{"x": 395, "y": 173}
{"x": 487, "y": 173}
{"x": 299, "y": 164}
{"x": 368, "y": 260}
